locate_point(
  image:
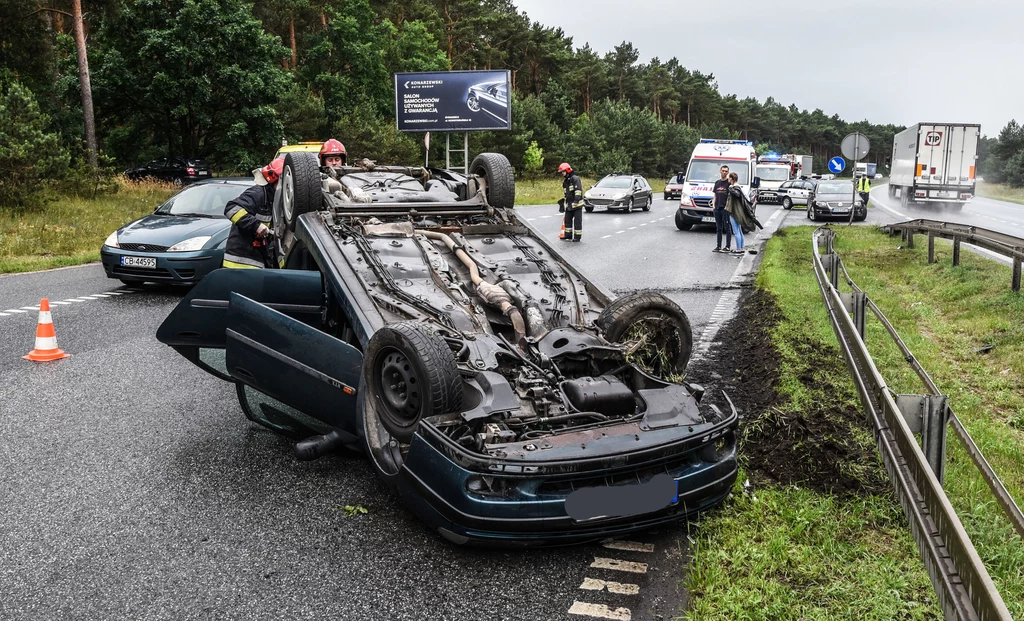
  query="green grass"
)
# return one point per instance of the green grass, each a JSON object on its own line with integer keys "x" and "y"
{"x": 1000, "y": 192}
{"x": 70, "y": 230}
{"x": 797, "y": 554}
{"x": 547, "y": 190}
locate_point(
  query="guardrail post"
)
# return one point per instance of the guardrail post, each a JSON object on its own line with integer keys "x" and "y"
{"x": 956, "y": 251}
{"x": 931, "y": 248}
{"x": 833, "y": 270}
{"x": 933, "y": 433}
{"x": 910, "y": 240}
{"x": 1015, "y": 284}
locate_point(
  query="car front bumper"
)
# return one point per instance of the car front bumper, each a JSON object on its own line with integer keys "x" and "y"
{"x": 696, "y": 215}
{"x": 826, "y": 212}
{"x": 534, "y": 512}
{"x": 171, "y": 267}
{"x": 673, "y": 194}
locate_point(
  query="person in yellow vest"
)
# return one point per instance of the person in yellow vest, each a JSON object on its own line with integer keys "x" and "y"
{"x": 864, "y": 189}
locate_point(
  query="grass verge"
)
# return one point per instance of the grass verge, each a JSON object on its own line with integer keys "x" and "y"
{"x": 548, "y": 190}
{"x": 70, "y": 229}
{"x": 821, "y": 537}
{"x": 1000, "y": 192}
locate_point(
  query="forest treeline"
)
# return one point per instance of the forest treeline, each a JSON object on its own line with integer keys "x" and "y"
{"x": 227, "y": 80}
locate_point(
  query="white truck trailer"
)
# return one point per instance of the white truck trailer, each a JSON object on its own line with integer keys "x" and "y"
{"x": 935, "y": 163}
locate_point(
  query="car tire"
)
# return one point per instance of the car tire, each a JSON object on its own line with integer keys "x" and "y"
{"x": 499, "y": 180}
{"x": 670, "y": 325}
{"x": 647, "y": 205}
{"x": 629, "y": 206}
{"x": 810, "y": 212}
{"x": 410, "y": 373}
{"x": 666, "y": 197}
{"x": 681, "y": 223}
{"x": 787, "y": 203}
{"x": 588, "y": 208}
{"x": 300, "y": 186}
{"x": 860, "y": 218}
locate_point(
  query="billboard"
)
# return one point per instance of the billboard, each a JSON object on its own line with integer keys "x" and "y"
{"x": 453, "y": 101}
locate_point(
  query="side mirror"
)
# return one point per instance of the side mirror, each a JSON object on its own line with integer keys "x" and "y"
{"x": 756, "y": 183}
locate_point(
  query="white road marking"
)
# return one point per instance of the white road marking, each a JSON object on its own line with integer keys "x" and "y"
{"x": 74, "y": 300}
{"x": 631, "y": 546}
{"x": 115, "y": 293}
{"x": 546, "y": 217}
{"x": 36, "y": 307}
{"x": 617, "y": 232}
{"x": 593, "y": 584}
{"x": 615, "y": 564}
{"x": 606, "y": 237}
{"x": 14, "y": 310}
{"x": 101, "y": 295}
{"x": 644, "y": 224}
{"x": 600, "y": 611}
{"x": 631, "y": 228}
{"x": 61, "y": 303}
{"x": 530, "y": 219}
{"x": 4, "y": 315}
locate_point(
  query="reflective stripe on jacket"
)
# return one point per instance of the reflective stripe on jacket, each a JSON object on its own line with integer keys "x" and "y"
{"x": 573, "y": 189}
{"x": 252, "y": 208}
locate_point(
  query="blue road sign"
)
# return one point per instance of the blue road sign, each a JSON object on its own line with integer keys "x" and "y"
{"x": 836, "y": 165}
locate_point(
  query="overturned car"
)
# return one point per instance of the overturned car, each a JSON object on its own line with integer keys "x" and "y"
{"x": 504, "y": 396}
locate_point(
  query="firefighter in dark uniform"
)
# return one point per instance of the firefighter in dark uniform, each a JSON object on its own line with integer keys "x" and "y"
{"x": 249, "y": 242}
{"x": 572, "y": 203}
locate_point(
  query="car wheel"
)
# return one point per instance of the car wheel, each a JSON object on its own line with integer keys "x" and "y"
{"x": 666, "y": 197}
{"x": 860, "y": 218}
{"x": 647, "y": 205}
{"x": 300, "y": 186}
{"x": 657, "y": 329}
{"x": 589, "y": 208}
{"x": 497, "y": 179}
{"x": 787, "y": 203}
{"x": 410, "y": 373}
{"x": 629, "y": 206}
{"x": 681, "y": 223}
{"x": 473, "y": 103}
{"x": 810, "y": 212}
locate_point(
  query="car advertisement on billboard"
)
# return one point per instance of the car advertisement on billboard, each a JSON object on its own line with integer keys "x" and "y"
{"x": 453, "y": 101}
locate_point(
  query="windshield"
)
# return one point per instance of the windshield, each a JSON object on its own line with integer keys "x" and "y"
{"x": 207, "y": 200}
{"x": 834, "y": 187}
{"x": 615, "y": 182}
{"x": 677, "y": 178}
{"x": 773, "y": 173}
{"x": 706, "y": 171}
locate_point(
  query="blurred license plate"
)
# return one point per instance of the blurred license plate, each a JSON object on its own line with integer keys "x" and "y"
{"x": 204, "y": 173}
{"x": 592, "y": 503}
{"x": 840, "y": 210}
{"x": 149, "y": 262}
{"x": 708, "y": 219}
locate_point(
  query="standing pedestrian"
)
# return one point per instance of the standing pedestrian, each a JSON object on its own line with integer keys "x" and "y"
{"x": 721, "y": 191}
{"x": 738, "y": 208}
{"x": 573, "y": 203}
{"x": 864, "y": 189}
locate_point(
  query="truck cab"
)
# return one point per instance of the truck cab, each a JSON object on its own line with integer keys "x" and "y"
{"x": 773, "y": 170}
{"x": 696, "y": 203}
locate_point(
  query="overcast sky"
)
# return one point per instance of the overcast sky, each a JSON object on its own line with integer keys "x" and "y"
{"x": 895, "y": 61}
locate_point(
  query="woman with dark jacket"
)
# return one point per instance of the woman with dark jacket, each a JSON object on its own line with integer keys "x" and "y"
{"x": 740, "y": 213}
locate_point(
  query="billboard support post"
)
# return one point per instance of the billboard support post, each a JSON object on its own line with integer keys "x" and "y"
{"x": 464, "y": 151}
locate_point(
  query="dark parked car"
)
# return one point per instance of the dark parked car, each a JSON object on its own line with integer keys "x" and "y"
{"x": 181, "y": 242}
{"x": 489, "y": 97}
{"x": 177, "y": 170}
{"x": 835, "y": 199}
{"x": 619, "y": 191}
{"x": 503, "y": 395}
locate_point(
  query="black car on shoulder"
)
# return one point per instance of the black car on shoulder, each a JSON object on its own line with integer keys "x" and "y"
{"x": 619, "y": 192}
{"x": 835, "y": 199}
{"x": 506, "y": 397}
{"x": 177, "y": 170}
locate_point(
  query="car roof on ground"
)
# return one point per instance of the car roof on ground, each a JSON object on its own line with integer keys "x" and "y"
{"x": 309, "y": 147}
{"x": 231, "y": 180}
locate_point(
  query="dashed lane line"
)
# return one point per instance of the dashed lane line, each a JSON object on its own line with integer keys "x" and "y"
{"x": 14, "y": 310}
{"x": 606, "y": 237}
{"x": 615, "y": 564}
{"x": 600, "y": 611}
{"x": 619, "y": 588}
{"x": 631, "y": 228}
{"x": 617, "y": 232}
{"x": 61, "y": 303}
{"x": 69, "y": 301}
{"x": 629, "y": 546}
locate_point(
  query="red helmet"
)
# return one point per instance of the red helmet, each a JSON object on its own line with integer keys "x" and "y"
{"x": 271, "y": 172}
{"x": 564, "y": 167}
{"x": 333, "y": 147}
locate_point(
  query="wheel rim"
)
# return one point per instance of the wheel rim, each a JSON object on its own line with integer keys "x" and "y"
{"x": 787, "y": 204}
{"x": 400, "y": 396}
{"x": 288, "y": 193}
{"x": 654, "y": 344}
{"x": 474, "y": 104}
{"x": 629, "y": 207}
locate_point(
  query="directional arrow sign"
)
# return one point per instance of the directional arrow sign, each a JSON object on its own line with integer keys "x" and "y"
{"x": 836, "y": 165}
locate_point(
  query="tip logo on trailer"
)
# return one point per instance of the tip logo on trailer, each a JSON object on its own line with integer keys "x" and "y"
{"x": 933, "y": 139}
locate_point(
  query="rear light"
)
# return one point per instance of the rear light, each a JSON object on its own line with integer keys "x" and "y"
{"x": 971, "y": 175}
{"x": 933, "y": 170}
{"x": 920, "y": 194}
{"x": 965, "y": 197}
{"x": 190, "y": 171}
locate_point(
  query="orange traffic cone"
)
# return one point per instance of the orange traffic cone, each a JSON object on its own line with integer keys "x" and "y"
{"x": 46, "y": 337}
{"x": 562, "y": 234}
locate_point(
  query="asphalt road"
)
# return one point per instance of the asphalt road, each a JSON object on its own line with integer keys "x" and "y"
{"x": 134, "y": 488}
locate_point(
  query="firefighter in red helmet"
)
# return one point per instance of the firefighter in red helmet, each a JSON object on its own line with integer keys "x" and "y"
{"x": 572, "y": 204}
{"x": 251, "y": 214}
{"x": 333, "y": 154}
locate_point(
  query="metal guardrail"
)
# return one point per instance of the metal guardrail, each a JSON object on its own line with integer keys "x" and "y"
{"x": 961, "y": 582}
{"x": 1001, "y": 243}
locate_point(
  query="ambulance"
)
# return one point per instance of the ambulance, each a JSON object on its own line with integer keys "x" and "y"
{"x": 697, "y": 200}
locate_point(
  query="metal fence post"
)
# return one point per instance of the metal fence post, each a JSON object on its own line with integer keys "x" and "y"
{"x": 910, "y": 240}
{"x": 833, "y": 270}
{"x": 1015, "y": 284}
{"x": 931, "y": 248}
{"x": 933, "y": 433}
{"x": 860, "y": 307}
{"x": 956, "y": 251}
